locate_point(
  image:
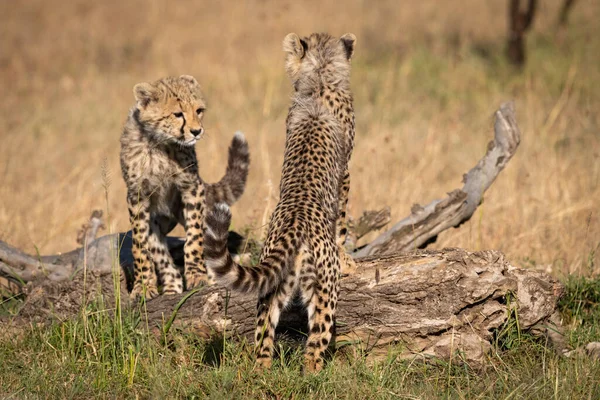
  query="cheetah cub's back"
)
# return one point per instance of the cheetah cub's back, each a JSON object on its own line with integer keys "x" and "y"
{"x": 160, "y": 169}
{"x": 302, "y": 250}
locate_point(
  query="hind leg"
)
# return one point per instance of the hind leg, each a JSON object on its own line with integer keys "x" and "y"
{"x": 267, "y": 319}
{"x": 321, "y": 295}
{"x": 269, "y": 310}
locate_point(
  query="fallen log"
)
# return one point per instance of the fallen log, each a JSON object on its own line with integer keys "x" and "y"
{"x": 434, "y": 303}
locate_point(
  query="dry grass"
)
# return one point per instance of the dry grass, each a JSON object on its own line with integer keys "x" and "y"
{"x": 427, "y": 78}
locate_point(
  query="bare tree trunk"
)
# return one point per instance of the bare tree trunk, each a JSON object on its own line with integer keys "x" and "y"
{"x": 563, "y": 16}
{"x": 519, "y": 23}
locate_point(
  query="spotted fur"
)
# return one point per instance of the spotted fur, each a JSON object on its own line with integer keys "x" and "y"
{"x": 159, "y": 165}
{"x": 300, "y": 255}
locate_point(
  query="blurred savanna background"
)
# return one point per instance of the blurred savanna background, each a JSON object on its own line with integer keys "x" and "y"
{"x": 427, "y": 77}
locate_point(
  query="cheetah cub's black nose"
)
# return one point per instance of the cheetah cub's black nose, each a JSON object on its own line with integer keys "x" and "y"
{"x": 196, "y": 132}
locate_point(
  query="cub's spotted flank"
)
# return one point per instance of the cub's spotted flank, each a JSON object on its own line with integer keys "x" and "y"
{"x": 300, "y": 255}
{"x": 159, "y": 165}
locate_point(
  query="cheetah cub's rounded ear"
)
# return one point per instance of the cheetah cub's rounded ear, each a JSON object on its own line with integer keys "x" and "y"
{"x": 348, "y": 40}
{"x": 189, "y": 79}
{"x": 144, "y": 93}
{"x": 293, "y": 45}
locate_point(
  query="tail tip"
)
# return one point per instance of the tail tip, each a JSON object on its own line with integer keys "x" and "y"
{"x": 222, "y": 213}
{"x": 218, "y": 220}
{"x": 239, "y": 153}
{"x": 222, "y": 208}
{"x": 239, "y": 136}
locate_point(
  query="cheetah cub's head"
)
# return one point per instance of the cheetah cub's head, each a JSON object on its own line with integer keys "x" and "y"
{"x": 170, "y": 110}
{"x": 319, "y": 56}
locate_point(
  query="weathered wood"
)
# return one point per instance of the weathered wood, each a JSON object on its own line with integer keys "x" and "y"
{"x": 368, "y": 222}
{"x": 434, "y": 302}
{"x": 89, "y": 231}
{"x": 22, "y": 267}
{"x": 425, "y": 223}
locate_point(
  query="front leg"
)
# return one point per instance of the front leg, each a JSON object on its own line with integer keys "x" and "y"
{"x": 144, "y": 275}
{"x": 342, "y": 230}
{"x": 192, "y": 197}
{"x": 347, "y": 263}
{"x": 171, "y": 278}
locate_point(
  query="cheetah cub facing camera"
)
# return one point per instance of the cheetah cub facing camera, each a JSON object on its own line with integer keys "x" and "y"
{"x": 159, "y": 165}
{"x": 300, "y": 255}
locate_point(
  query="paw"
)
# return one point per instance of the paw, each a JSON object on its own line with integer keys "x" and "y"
{"x": 173, "y": 289}
{"x": 194, "y": 279}
{"x": 172, "y": 284}
{"x": 312, "y": 365}
{"x": 263, "y": 364}
{"x": 348, "y": 266}
{"x": 143, "y": 291}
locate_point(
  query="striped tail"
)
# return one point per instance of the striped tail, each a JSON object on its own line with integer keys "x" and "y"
{"x": 263, "y": 278}
{"x": 233, "y": 183}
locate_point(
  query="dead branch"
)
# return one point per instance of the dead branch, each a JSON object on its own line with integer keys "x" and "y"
{"x": 432, "y": 301}
{"x": 425, "y": 223}
{"x": 369, "y": 221}
{"x": 89, "y": 231}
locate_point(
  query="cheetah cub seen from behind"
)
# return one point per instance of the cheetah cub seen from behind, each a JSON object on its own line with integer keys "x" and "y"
{"x": 300, "y": 255}
{"x": 159, "y": 165}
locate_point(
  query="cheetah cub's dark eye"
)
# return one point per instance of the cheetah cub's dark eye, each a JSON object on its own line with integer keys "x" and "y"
{"x": 199, "y": 111}
{"x": 178, "y": 114}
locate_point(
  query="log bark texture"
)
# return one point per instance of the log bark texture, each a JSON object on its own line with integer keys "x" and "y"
{"x": 434, "y": 302}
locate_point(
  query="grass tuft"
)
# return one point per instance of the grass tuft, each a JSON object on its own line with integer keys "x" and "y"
{"x": 580, "y": 307}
